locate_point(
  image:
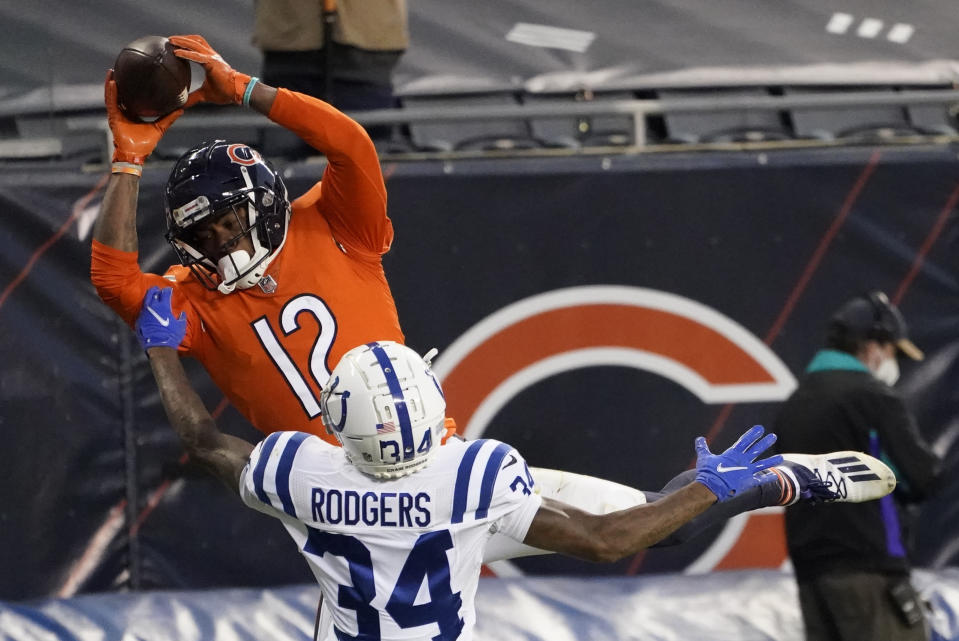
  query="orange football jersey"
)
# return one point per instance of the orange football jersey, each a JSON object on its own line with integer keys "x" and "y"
{"x": 270, "y": 353}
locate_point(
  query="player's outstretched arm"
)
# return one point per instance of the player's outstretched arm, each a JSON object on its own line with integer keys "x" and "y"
{"x": 353, "y": 198}
{"x": 606, "y": 538}
{"x": 160, "y": 333}
{"x": 610, "y": 537}
{"x": 132, "y": 143}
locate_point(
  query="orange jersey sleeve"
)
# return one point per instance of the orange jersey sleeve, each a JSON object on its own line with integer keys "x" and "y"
{"x": 121, "y": 285}
{"x": 352, "y": 195}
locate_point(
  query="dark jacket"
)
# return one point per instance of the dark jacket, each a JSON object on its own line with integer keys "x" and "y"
{"x": 840, "y": 405}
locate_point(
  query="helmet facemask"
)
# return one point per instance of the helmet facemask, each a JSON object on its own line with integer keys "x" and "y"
{"x": 237, "y": 268}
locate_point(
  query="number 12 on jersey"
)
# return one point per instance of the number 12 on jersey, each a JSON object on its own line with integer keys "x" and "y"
{"x": 305, "y": 303}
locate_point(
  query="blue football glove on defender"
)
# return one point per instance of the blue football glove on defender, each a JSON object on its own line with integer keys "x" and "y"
{"x": 731, "y": 472}
{"x": 156, "y": 325}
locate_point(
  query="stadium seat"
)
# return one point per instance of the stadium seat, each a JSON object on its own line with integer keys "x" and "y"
{"x": 940, "y": 119}
{"x": 464, "y": 135}
{"x": 865, "y": 123}
{"x": 208, "y": 122}
{"x": 35, "y": 124}
{"x": 586, "y": 131}
{"x": 739, "y": 125}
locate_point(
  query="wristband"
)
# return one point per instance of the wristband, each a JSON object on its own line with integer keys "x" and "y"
{"x": 126, "y": 168}
{"x": 249, "y": 91}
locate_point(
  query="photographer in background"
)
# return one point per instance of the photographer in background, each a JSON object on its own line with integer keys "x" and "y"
{"x": 851, "y": 561}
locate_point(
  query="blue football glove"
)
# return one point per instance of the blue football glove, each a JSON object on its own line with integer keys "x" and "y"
{"x": 156, "y": 326}
{"x": 731, "y": 472}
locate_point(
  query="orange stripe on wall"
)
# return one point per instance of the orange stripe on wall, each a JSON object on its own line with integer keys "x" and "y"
{"x": 762, "y": 544}
{"x": 702, "y": 349}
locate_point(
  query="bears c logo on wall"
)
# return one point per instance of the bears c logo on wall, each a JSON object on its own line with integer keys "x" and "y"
{"x": 710, "y": 355}
{"x": 707, "y": 353}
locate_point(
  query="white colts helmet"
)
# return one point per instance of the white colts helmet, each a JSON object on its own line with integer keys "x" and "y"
{"x": 386, "y": 408}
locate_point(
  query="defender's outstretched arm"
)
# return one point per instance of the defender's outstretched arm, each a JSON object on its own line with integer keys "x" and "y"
{"x": 160, "y": 333}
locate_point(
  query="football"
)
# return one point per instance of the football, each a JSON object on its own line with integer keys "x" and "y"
{"x": 151, "y": 80}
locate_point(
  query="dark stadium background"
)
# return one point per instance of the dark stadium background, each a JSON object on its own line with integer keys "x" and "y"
{"x": 97, "y": 497}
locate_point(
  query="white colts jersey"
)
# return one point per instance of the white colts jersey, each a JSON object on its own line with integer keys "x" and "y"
{"x": 399, "y": 558}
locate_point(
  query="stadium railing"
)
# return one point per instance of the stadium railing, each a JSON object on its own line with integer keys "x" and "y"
{"x": 69, "y": 121}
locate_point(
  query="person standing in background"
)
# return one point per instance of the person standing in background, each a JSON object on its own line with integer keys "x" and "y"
{"x": 851, "y": 561}
{"x": 354, "y": 70}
